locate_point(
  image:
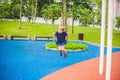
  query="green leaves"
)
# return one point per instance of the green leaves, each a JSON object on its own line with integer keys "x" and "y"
{"x": 117, "y": 21}
{"x": 52, "y": 11}
{"x": 76, "y": 46}
{"x": 69, "y": 46}
{"x": 4, "y": 10}
{"x": 51, "y": 45}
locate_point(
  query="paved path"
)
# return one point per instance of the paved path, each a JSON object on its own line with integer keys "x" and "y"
{"x": 87, "y": 70}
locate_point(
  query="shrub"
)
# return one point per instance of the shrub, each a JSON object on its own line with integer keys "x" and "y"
{"x": 69, "y": 46}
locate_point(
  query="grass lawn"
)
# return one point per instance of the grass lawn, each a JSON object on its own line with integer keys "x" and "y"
{"x": 90, "y": 34}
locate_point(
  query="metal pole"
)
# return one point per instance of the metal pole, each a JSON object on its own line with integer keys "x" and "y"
{"x": 109, "y": 41}
{"x": 102, "y": 37}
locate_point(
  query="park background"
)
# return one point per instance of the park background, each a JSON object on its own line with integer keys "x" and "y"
{"x": 42, "y": 17}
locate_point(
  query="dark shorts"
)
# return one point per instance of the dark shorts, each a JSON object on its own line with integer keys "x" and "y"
{"x": 61, "y": 43}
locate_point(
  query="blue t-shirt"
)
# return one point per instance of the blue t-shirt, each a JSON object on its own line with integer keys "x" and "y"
{"x": 61, "y": 37}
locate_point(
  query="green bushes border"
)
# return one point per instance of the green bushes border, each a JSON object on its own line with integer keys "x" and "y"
{"x": 73, "y": 46}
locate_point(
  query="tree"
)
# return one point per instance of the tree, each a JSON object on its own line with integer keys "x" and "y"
{"x": 76, "y": 9}
{"x": 32, "y": 6}
{"x": 52, "y": 11}
{"x": 95, "y": 17}
{"x": 14, "y": 13}
{"x": 85, "y": 16}
{"x": 64, "y": 15}
{"x": 20, "y": 14}
{"x": 41, "y": 4}
{"x": 45, "y": 12}
{"x": 83, "y": 3}
{"x": 98, "y": 18}
{"x": 28, "y": 11}
{"x": 89, "y": 12}
{"x": 118, "y": 22}
{"x": 73, "y": 9}
{"x": 73, "y": 12}
{"x": 4, "y": 10}
{"x": 98, "y": 3}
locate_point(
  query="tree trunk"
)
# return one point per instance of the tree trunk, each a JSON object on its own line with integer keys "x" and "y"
{"x": 20, "y": 14}
{"x": 36, "y": 11}
{"x": 93, "y": 23}
{"x": 73, "y": 25}
{"x": 32, "y": 11}
{"x": 64, "y": 17}
{"x": 53, "y": 25}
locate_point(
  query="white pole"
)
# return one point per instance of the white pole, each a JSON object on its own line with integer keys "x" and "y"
{"x": 102, "y": 37}
{"x": 109, "y": 41}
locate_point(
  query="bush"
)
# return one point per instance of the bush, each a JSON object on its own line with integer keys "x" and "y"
{"x": 118, "y": 22}
{"x": 69, "y": 46}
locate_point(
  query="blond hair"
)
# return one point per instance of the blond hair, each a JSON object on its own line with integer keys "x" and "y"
{"x": 61, "y": 28}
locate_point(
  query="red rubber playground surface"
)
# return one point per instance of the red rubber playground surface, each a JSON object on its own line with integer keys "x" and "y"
{"x": 87, "y": 70}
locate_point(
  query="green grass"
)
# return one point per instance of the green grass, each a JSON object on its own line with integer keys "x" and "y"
{"x": 12, "y": 28}
{"x": 90, "y": 34}
{"x": 69, "y": 46}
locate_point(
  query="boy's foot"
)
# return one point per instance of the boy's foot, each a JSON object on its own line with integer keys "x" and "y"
{"x": 65, "y": 55}
{"x": 60, "y": 54}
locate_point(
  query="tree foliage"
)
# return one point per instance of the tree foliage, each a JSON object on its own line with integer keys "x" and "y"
{"x": 73, "y": 46}
{"x": 4, "y": 10}
{"x": 118, "y": 21}
{"x": 52, "y": 11}
{"x": 49, "y": 9}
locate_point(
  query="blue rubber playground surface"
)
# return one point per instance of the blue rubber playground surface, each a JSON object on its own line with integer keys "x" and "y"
{"x": 29, "y": 60}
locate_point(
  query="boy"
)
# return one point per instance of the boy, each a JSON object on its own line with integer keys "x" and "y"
{"x": 61, "y": 40}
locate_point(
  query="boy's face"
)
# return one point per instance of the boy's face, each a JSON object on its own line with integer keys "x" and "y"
{"x": 61, "y": 31}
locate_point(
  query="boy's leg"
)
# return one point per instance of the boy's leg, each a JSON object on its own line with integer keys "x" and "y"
{"x": 60, "y": 50}
{"x": 63, "y": 49}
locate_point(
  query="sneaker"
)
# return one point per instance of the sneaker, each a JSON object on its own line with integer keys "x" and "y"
{"x": 60, "y": 54}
